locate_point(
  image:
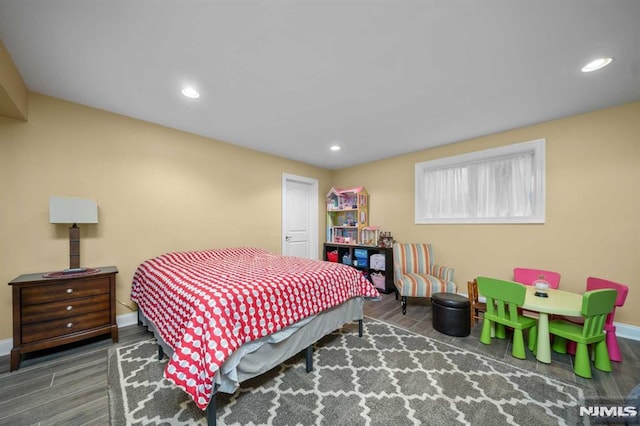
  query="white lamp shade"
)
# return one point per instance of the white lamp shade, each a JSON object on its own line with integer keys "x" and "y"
{"x": 73, "y": 210}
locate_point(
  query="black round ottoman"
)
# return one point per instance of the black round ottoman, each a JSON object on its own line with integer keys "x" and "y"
{"x": 451, "y": 314}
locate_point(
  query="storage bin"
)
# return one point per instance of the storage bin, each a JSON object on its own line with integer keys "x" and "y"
{"x": 346, "y": 259}
{"x": 360, "y": 252}
{"x": 378, "y": 280}
{"x": 363, "y": 262}
{"x": 378, "y": 261}
{"x": 332, "y": 256}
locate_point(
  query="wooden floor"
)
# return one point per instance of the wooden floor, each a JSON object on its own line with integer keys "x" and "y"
{"x": 69, "y": 386}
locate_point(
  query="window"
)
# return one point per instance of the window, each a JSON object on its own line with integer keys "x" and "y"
{"x": 499, "y": 185}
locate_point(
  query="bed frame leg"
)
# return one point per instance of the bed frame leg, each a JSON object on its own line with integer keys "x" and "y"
{"x": 139, "y": 318}
{"x": 211, "y": 411}
{"x": 360, "y": 328}
{"x": 160, "y": 353}
{"x": 309, "y": 356}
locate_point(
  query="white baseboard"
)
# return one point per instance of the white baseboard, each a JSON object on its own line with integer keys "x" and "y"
{"x": 626, "y": 331}
{"x": 5, "y": 346}
{"x": 122, "y": 320}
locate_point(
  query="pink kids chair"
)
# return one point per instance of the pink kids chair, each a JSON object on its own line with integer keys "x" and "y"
{"x": 594, "y": 283}
{"x": 528, "y": 276}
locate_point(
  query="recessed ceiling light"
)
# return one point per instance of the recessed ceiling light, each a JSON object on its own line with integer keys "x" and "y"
{"x": 335, "y": 148}
{"x": 596, "y": 64}
{"x": 190, "y": 92}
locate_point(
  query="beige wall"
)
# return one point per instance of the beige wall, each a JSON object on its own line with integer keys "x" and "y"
{"x": 161, "y": 190}
{"x": 158, "y": 190}
{"x": 592, "y": 206}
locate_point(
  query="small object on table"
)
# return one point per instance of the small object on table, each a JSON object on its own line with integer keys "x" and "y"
{"x": 541, "y": 286}
{"x": 74, "y": 270}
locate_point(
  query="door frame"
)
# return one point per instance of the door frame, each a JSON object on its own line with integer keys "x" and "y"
{"x": 314, "y": 225}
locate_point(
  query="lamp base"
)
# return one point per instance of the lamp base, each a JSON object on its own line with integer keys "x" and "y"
{"x": 74, "y": 247}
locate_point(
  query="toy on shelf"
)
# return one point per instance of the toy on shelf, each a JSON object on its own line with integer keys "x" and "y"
{"x": 369, "y": 236}
{"x": 347, "y": 214}
{"x": 385, "y": 240}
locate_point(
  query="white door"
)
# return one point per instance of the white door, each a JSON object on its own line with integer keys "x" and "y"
{"x": 299, "y": 216}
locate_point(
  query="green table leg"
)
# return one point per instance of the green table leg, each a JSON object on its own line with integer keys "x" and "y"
{"x": 543, "y": 350}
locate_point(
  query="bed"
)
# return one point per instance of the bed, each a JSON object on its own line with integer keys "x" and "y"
{"x": 227, "y": 315}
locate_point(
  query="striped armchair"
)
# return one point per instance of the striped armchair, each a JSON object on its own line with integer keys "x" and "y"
{"x": 416, "y": 275}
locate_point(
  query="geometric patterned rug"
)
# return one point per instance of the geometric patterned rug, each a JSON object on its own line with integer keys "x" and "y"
{"x": 389, "y": 376}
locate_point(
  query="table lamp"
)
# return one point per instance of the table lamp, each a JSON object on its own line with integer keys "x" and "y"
{"x": 73, "y": 211}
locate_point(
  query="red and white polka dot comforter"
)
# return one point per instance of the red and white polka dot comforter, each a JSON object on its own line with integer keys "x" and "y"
{"x": 206, "y": 304}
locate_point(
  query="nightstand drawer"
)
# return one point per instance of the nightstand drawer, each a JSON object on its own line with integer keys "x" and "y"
{"x": 60, "y": 327}
{"x": 63, "y": 291}
{"x": 64, "y": 308}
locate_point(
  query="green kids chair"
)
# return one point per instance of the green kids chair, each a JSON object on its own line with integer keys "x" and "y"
{"x": 503, "y": 300}
{"x": 596, "y": 305}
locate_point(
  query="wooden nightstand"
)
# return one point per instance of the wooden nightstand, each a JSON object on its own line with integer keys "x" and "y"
{"x": 49, "y": 312}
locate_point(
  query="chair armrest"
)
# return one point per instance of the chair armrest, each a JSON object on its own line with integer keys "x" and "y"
{"x": 397, "y": 271}
{"x": 442, "y": 272}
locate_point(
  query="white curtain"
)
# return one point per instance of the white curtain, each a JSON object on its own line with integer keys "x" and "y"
{"x": 500, "y": 187}
{"x": 447, "y": 193}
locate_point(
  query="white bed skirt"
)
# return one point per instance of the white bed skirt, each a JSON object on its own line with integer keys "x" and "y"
{"x": 259, "y": 356}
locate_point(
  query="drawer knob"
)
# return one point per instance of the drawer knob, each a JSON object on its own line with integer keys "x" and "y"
{"x": 69, "y": 308}
{"x": 69, "y": 290}
{"x": 69, "y": 324}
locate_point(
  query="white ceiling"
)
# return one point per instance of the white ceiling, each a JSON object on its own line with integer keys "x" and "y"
{"x": 380, "y": 78}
